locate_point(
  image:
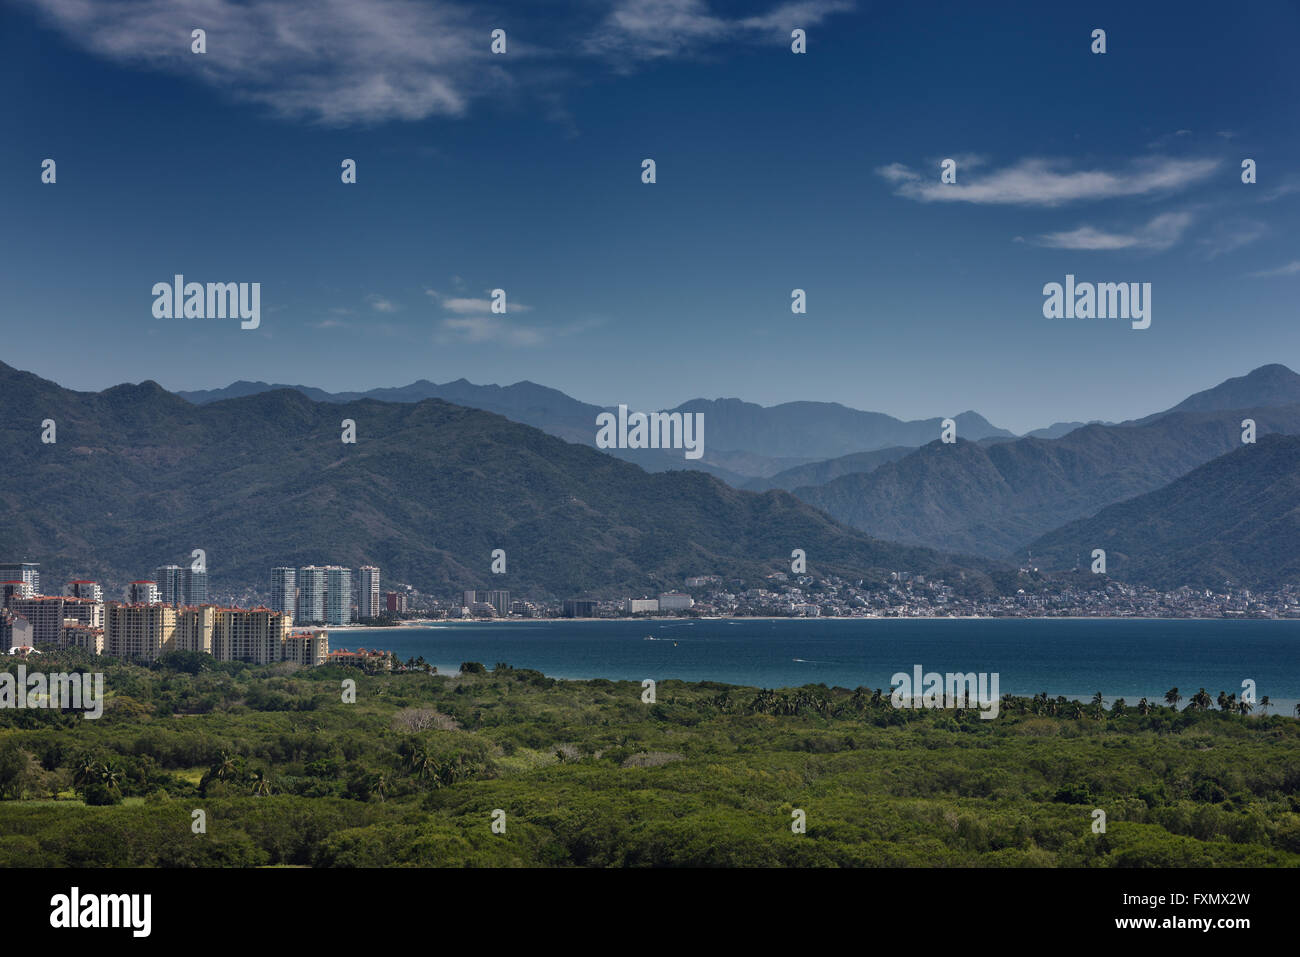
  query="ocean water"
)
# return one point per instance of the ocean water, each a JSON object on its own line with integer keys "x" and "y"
{"x": 1075, "y": 658}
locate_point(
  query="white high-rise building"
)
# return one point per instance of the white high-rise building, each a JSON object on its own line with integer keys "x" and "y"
{"x": 368, "y": 604}
{"x": 500, "y": 600}
{"x": 170, "y": 589}
{"x": 84, "y": 589}
{"x": 311, "y": 594}
{"x": 142, "y": 593}
{"x": 675, "y": 601}
{"x": 338, "y": 595}
{"x": 284, "y": 590}
{"x": 16, "y": 589}
{"x": 194, "y": 587}
{"x": 22, "y": 572}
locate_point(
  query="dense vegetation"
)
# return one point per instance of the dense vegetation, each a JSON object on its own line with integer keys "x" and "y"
{"x": 286, "y": 773}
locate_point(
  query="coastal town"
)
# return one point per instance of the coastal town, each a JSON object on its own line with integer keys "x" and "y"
{"x": 292, "y": 622}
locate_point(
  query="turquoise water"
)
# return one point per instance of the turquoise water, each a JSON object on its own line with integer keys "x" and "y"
{"x": 1075, "y": 658}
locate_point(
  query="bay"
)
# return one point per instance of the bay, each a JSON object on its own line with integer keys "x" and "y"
{"x": 1128, "y": 658}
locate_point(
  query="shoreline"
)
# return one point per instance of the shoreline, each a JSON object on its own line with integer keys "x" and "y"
{"x": 431, "y": 622}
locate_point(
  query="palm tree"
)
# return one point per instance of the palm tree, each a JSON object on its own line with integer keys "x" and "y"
{"x": 422, "y": 763}
{"x": 379, "y": 785}
{"x": 87, "y": 772}
{"x": 1144, "y": 708}
{"x": 1297, "y": 710}
{"x": 225, "y": 767}
{"x": 1201, "y": 700}
{"x": 1172, "y": 697}
{"x": 110, "y": 776}
{"x": 1264, "y": 704}
{"x": 261, "y": 786}
{"x": 1244, "y": 707}
{"x": 1119, "y": 706}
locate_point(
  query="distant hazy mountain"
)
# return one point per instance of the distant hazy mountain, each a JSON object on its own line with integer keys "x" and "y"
{"x": 819, "y": 473}
{"x": 821, "y": 430}
{"x": 531, "y": 404}
{"x": 1058, "y": 429}
{"x": 139, "y": 477}
{"x": 742, "y": 440}
{"x": 1271, "y": 385}
{"x": 1234, "y": 518}
{"x": 992, "y": 499}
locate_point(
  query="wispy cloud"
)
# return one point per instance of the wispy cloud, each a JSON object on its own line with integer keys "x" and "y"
{"x": 652, "y": 29}
{"x": 1159, "y": 233}
{"x": 1230, "y": 236}
{"x": 479, "y": 329}
{"x": 474, "y": 330}
{"x": 1290, "y": 269}
{"x": 356, "y": 62}
{"x": 470, "y": 320}
{"x": 381, "y": 304}
{"x": 465, "y": 306}
{"x": 1042, "y": 182}
{"x": 333, "y": 61}
{"x": 1286, "y": 188}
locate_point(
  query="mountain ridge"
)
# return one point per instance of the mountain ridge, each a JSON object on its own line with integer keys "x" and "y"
{"x": 139, "y": 477}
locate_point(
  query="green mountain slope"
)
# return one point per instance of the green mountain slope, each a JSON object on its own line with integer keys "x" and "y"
{"x": 1236, "y": 518}
{"x": 139, "y": 477}
{"x": 993, "y": 499}
{"x": 819, "y": 473}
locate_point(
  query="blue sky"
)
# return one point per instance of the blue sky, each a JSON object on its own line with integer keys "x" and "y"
{"x": 775, "y": 171}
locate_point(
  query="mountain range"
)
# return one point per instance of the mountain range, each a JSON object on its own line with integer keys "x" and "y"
{"x": 139, "y": 477}
{"x": 994, "y": 498}
{"x": 743, "y": 440}
{"x": 1234, "y": 519}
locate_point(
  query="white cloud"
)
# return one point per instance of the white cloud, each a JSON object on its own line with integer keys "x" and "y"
{"x": 651, "y": 29}
{"x": 334, "y": 61}
{"x": 1040, "y": 182}
{"x": 465, "y": 306}
{"x": 380, "y": 304}
{"x": 346, "y": 62}
{"x": 1290, "y": 269}
{"x": 1160, "y": 232}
